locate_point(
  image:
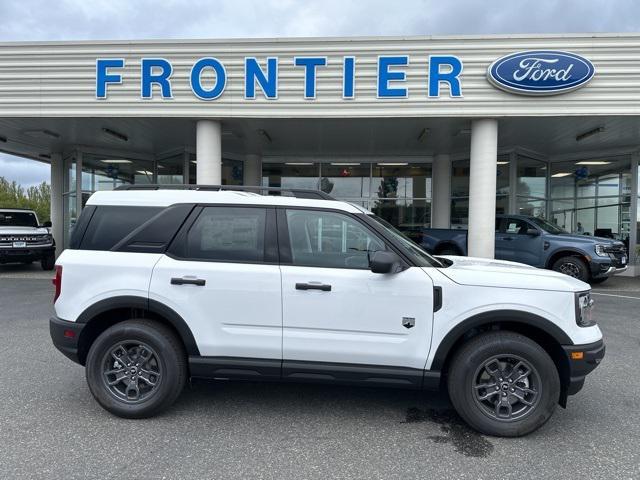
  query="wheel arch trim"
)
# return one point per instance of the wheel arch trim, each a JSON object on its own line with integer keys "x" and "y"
{"x": 146, "y": 305}
{"x": 564, "y": 252}
{"x": 528, "y": 319}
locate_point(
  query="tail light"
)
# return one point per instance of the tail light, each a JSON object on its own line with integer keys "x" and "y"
{"x": 57, "y": 282}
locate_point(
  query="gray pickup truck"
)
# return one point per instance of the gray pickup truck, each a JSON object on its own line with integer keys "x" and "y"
{"x": 536, "y": 242}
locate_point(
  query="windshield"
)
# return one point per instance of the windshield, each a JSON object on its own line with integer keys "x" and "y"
{"x": 547, "y": 226}
{"x": 417, "y": 254}
{"x": 18, "y": 219}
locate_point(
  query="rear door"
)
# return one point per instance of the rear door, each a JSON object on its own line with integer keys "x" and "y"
{"x": 222, "y": 277}
{"x": 338, "y": 316}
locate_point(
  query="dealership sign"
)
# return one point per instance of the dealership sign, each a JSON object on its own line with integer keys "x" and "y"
{"x": 207, "y": 77}
{"x": 540, "y": 72}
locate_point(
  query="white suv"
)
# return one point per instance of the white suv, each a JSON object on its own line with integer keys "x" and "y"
{"x": 163, "y": 284}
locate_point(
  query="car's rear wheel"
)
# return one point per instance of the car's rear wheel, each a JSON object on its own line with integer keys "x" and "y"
{"x": 573, "y": 266}
{"x": 136, "y": 368}
{"x": 503, "y": 384}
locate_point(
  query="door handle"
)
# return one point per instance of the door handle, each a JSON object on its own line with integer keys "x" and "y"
{"x": 188, "y": 281}
{"x": 313, "y": 286}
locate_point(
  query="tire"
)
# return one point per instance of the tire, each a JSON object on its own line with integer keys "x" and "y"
{"x": 596, "y": 281}
{"x": 467, "y": 371}
{"x": 572, "y": 266}
{"x": 48, "y": 262}
{"x": 147, "y": 347}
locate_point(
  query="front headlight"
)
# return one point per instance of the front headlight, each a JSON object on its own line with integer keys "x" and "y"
{"x": 584, "y": 308}
{"x": 600, "y": 250}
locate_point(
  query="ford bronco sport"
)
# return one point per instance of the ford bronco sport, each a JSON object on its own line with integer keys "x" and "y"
{"x": 24, "y": 240}
{"x": 162, "y": 284}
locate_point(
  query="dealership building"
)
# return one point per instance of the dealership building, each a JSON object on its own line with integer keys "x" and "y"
{"x": 435, "y": 131}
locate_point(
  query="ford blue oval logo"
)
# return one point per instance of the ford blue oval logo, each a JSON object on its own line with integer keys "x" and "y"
{"x": 540, "y": 72}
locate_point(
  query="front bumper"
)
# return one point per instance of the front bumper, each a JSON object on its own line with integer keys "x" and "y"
{"x": 606, "y": 269}
{"x": 65, "y": 336}
{"x": 28, "y": 253}
{"x": 579, "y": 368}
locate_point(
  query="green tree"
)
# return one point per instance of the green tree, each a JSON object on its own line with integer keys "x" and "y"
{"x": 36, "y": 198}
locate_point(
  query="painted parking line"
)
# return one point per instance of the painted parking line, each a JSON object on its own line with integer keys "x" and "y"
{"x": 612, "y": 295}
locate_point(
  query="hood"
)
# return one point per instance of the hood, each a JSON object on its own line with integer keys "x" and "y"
{"x": 588, "y": 239}
{"x": 23, "y": 230}
{"x": 484, "y": 272}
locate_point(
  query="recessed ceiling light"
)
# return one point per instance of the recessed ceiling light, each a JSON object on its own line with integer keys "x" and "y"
{"x": 503, "y": 163}
{"x": 42, "y": 133}
{"x": 298, "y": 163}
{"x": 561, "y": 174}
{"x": 345, "y": 164}
{"x": 589, "y": 133}
{"x": 389, "y": 164}
{"x": 116, "y": 160}
{"x": 144, "y": 172}
{"x": 113, "y": 134}
{"x": 266, "y": 135}
{"x": 593, "y": 162}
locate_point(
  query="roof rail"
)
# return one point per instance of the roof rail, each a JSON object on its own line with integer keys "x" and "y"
{"x": 285, "y": 192}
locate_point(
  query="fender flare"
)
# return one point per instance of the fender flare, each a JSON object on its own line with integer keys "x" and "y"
{"x": 499, "y": 316}
{"x": 568, "y": 250}
{"x": 146, "y": 305}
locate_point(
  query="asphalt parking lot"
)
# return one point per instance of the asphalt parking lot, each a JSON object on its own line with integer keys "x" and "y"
{"x": 50, "y": 426}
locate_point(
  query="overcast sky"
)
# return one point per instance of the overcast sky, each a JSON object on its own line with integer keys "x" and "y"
{"x": 22, "y": 20}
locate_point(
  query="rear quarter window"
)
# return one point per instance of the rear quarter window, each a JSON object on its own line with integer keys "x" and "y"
{"x": 110, "y": 224}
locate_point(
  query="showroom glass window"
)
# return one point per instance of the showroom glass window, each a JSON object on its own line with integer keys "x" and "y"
{"x": 592, "y": 196}
{"x": 460, "y": 190}
{"x": 398, "y": 191}
{"x": 531, "y": 187}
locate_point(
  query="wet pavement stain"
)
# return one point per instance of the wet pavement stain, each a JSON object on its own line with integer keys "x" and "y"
{"x": 464, "y": 440}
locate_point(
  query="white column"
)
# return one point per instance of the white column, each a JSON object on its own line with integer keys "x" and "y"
{"x": 441, "y": 191}
{"x": 482, "y": 187}
{"x": 78, "y": 185}
{"x": 209, "y": 152}
{"x": 57, "y": 204}
{"x": 252, "y": 169}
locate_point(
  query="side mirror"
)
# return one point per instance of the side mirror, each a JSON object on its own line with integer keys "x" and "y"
{"x": 534, "y": 232}
{"x": 385, "y": 262}
{"x": 47, "y": 224}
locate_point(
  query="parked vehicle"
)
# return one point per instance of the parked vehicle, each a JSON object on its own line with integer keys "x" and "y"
{"x": 24, "y": 240}
{"x": 163, "y": 284}
{"x": 536, "y": 242}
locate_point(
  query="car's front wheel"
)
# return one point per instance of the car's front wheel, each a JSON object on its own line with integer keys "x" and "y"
{"x": 48, "y": 262}
{"x": 572, "y": 266}
{"x": 136, "y": 368}
{"x": 503, "y": 384}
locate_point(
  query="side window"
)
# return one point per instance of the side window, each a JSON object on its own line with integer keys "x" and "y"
{"x": 228, "y": 234}
{"x": 327, "y": 239}
{"x": 111, "y": 224}
{"x": 516, "y": 226}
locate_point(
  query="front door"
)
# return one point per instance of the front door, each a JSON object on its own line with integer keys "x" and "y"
{"x": 338, "y": 316}
{"x": 513, "y": 243}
